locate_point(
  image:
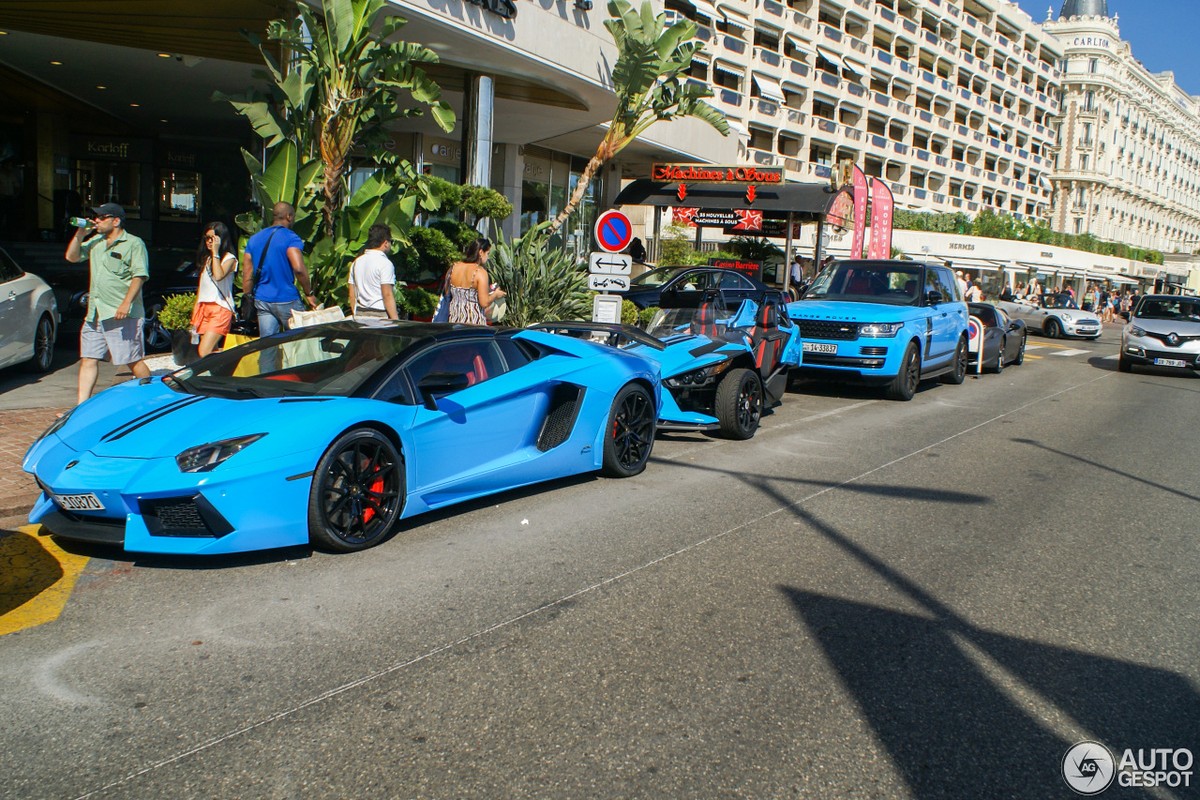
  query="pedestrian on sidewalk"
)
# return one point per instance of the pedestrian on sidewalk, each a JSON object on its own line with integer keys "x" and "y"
{"x": 117, "y": 269}
{"x": 372, "y": 281}
{"x": 272, "y": 265}
{"x": 213, "y": 315}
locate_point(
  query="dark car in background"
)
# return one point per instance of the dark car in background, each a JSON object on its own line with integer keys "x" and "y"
{"x": 646, "y": 289}
{"x": 1003, "y": 338}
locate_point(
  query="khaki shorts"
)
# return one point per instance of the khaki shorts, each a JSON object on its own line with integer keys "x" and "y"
{"x": 120, "y": 338}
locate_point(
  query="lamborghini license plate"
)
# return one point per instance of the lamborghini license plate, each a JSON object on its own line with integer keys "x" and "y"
{"x": 79, "y": 502}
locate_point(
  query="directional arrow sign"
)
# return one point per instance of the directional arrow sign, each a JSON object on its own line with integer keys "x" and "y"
{"x": 608, "y": 283}
{"x": 610, "y": 264}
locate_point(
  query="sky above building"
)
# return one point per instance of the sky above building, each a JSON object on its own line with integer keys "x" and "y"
{"x": 1161, "y": 33}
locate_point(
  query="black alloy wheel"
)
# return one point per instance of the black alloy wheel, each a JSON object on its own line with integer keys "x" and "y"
{"x": 43, "y": 345}
{"x": 357, "y": 492}
{"x": 630, "y": 432}
{"x": 904, "y": 385}
{"x": 999, "y": 365}
{"x": 739, "y": 403}
{"x": 1052, "y": 328}
{"x": 1124, "y": 364}
{"x": 959, "y": 373}
{"x": 1020, "y": 359}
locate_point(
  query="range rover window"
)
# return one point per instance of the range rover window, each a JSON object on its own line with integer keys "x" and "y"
{"x": 888, "y": 282}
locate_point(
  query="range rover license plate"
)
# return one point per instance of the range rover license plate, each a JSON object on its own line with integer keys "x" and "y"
{"x": 79, "y": 502}
{"x": 819, "y": 347}
{"x": 1170, "y": 362}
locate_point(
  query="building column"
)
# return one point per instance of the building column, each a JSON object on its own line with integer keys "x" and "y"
{"x": 479, "y": 100}
{"x": 513, "y": 160}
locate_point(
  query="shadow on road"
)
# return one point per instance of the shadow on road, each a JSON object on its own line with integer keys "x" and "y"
{"x": 950, "y": 701}
{"x": 26, "y": 570}
{"x": 1106, "y": 468}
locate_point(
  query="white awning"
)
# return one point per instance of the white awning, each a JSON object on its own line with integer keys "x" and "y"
{"x": 857, "y": 67}
{"x": 704, "y": 8}
{"x": 1045, "y": 183}
{"x": 729, "y": 69}
{"x": 798, "y": 43}
{"x": 830, "y": 57}
{"x": 734, "y": 14}
{"x": 737, "y": 127}
{"x": 769, "y": 88}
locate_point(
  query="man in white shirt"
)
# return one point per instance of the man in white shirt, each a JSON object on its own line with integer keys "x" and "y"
{"x": 373, "y": 278}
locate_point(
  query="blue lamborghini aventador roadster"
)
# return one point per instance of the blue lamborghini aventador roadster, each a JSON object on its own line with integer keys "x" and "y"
{"x": 332, "y": 434}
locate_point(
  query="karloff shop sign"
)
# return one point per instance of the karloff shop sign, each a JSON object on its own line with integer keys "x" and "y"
{"x": 706, "y": 173}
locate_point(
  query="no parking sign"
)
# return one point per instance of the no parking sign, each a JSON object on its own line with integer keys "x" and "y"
{"x": 613, "y": 231}
{"x": 975, "y": 341}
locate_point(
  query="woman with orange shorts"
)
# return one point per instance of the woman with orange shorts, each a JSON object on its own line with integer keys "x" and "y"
{"x": 213, "y": 313}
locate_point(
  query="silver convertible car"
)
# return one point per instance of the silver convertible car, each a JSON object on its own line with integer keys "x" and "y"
{"x": 1058, "y": 315}
{"x": 1163, "y": 331}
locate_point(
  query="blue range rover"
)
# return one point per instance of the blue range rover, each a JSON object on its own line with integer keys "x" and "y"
{"x": 888, "y": 323}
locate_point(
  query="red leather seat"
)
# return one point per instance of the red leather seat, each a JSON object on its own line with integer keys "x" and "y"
{"x": 766, "y": 340}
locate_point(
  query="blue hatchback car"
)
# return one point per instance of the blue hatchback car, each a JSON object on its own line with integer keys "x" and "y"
{"x": 889, "y": 322}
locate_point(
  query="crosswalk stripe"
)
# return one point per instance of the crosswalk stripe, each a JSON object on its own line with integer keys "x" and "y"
{"x": 1071, "y": 352}
{"x": 1029, "y": 347}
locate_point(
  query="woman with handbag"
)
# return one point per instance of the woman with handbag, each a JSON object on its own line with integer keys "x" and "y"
{"x": 213, "y": 314}
{"x": 469, "y": 288}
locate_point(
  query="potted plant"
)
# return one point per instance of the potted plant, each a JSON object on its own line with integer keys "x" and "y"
{"x": 176, "y": 317}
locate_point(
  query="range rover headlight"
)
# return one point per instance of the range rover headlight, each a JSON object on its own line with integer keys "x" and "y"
{"x": 879, "y": 330}
{"x": 206, "y": 457}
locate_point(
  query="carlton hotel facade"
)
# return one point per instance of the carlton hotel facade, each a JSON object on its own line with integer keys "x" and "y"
{"x": 960, "y": 105}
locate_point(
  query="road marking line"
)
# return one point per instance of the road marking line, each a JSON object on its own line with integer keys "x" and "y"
{"x": 36, "y": 579}
{"x": 1029, "y": 347}
{"x": 1113, "y": 357}
{"x": 567, "y": 598}
{"x": 1071, "y": 353}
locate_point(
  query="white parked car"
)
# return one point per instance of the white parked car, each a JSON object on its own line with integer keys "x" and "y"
{"x": 1163, "y": 331}
{"x": 28, "y": 317}
{"x": 1057, "y": 315}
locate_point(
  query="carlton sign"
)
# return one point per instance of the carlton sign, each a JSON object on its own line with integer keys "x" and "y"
{"x": 704, "y": 173}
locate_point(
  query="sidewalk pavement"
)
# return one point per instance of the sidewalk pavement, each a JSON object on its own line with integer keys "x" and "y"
{"x": 18, "y": 429}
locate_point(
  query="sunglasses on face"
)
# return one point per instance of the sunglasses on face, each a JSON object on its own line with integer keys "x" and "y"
{"x": 100, "y": 217}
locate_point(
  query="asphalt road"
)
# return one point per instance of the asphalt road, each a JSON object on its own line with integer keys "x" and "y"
{"x": 933, "y": 599}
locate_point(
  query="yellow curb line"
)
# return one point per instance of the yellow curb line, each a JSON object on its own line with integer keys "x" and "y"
{"x": 36, "y": 579}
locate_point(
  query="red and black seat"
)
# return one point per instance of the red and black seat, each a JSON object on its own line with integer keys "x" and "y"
{"x": 767, "y": 341}
{"x": 704, "y": 323}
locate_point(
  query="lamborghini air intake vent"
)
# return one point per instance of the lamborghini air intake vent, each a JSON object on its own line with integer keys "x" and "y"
{"x": 560, "y": 416}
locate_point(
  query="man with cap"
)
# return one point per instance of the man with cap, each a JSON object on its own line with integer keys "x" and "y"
{"x": 112, "y": 327}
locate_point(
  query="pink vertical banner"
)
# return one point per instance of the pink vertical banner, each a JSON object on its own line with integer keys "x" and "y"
{"x": 860, "y": 213}
{"x": 882, "y": 204}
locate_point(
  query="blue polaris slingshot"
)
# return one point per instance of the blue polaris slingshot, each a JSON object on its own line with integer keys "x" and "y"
{"x": 333, "y": 434}
{"x": 720, "y": 369}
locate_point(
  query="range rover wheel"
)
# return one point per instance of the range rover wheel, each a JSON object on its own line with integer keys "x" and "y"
{"x": 959, "y": 373}
{"x": 739, "y": 403}
{"x": 904, "y": 385}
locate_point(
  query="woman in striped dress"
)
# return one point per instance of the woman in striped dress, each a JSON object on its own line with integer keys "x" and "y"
{"x": 470, "y": 292}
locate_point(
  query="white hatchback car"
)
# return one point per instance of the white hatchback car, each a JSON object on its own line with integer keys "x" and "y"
{"x": 1163, "y": 331}
{"x": 28, "y": 317}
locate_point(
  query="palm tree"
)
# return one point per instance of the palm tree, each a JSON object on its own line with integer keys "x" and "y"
{"x": 341, "y": 88}
{"x": 650, "y": 80}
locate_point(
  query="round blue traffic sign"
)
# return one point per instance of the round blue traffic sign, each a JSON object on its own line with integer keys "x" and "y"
{"x": 614, "y": 231}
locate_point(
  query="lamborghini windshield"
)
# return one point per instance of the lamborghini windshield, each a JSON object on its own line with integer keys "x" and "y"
{"x": 322, "y": 360}
{"x": 866, "y": 281}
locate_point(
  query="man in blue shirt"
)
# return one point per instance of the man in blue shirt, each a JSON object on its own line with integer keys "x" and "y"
{"x": 272, "y": 264}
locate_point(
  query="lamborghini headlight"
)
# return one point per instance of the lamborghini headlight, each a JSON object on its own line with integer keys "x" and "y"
{"x": 56, "y": 425}
{"x": 208, "y": 456}
{"x": 879, "y": 330}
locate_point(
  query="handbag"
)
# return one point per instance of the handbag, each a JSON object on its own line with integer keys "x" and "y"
{"x": 302, "y": 319}
{"x": 442, "y": 312}
{"x": 246, "y": 311}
